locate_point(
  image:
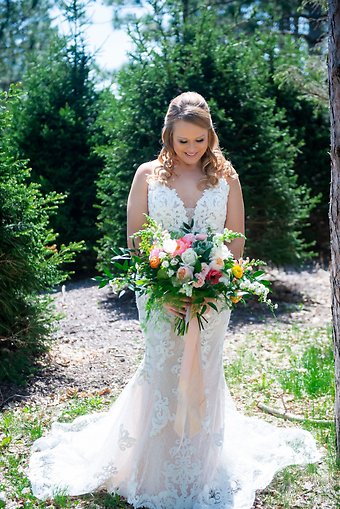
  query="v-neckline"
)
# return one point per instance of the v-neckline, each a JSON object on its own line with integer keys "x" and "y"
{"x": 197, "y": 203}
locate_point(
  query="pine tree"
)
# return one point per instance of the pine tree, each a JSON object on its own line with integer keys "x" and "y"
{"x": 55, "y": 130}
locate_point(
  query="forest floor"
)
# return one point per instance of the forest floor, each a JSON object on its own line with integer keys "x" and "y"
{"x": 99, "y": 344}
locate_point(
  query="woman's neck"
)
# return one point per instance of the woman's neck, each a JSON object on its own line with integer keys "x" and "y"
{"x": 181, "y": 169}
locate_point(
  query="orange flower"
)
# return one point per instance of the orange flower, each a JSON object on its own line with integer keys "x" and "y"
{"x": 154, "y": 262}
{"x": 237, "y": 270}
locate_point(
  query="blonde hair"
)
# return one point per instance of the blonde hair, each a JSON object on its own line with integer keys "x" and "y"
{"x": 192, "y": 107}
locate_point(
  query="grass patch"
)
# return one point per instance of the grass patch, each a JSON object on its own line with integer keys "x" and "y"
{"x": 292, "y": 370}
{"x": 78, "y": 406}
{"x": 18, "y": 429}
{"x": 310, "y": 374}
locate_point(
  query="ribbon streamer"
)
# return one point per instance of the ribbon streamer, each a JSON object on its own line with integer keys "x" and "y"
{"x": 191, "y": 405}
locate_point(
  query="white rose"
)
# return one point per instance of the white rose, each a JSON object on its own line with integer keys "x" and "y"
{"x": 165, "y": 264}
{"x": 189, "y": 256}
{"x": 216, "y": 263}
{"x": 171, "y": 272}
{"x": 161, "y": 255}
{"x": 173, "y": 261}
{"x": 169, "y": 245}
{"x": 220, "y": 251}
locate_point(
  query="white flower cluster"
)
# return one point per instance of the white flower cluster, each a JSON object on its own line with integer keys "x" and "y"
{"x": 255, "y": 287}
{"x": 218, "y": 239}
{"x": 186, "y": 288}
{"x": 166, "y": 264}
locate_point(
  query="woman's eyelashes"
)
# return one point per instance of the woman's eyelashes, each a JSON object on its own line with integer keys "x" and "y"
{"x": 198, "y": 141}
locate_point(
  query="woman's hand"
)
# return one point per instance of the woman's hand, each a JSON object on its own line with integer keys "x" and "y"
{"x": 180, "y": 308}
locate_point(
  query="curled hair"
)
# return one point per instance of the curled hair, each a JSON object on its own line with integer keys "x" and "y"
{"x": 192, "y": 107}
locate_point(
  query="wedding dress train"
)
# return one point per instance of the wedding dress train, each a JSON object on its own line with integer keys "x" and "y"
{"x": 133, "y": 449}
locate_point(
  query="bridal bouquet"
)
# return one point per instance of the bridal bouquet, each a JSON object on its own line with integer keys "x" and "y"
{"x": 198, "y": 265}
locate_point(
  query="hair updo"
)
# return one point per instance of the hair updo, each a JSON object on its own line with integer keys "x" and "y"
{"x": 192, "y": 107}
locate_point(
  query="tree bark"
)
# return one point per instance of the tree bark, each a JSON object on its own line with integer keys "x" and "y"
{"x": 334, "y": 206}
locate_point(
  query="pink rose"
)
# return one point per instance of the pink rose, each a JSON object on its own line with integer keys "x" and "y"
{"x": 184, "y": 273}
{"x": 189, "y": 238}
{"x": 214, "y": 276}
{"x": 204, "y": 269}
{"x": 200, "y": 281}
{"x": 181, "y": 247}
{"x": 154, "y": 252}
{"x": 201, "y": 236}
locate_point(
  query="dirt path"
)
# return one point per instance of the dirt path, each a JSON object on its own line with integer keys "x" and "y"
{"x": 99, "y": 342}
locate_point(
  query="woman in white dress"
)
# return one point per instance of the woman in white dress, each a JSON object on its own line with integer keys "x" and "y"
{"x": 136, "y": 448}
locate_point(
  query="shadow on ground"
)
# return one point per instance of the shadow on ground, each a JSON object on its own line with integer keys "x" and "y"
{"x": 120, "y": 308}
{"x": 287, "y": 298}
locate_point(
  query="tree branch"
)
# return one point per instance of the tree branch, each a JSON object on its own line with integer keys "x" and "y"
{"x": 294, "y": 418}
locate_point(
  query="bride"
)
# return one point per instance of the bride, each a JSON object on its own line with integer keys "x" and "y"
{"x": 135, "y": 448}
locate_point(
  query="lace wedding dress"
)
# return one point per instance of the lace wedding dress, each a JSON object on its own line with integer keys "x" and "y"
{"x": 133, "y": 449}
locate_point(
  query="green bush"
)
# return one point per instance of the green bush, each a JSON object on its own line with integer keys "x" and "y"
{"x": 30, "y": 260}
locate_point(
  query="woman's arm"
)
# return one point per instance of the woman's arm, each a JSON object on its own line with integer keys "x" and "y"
{"x": 235, "y": 216}
{"x": 137, "y": 203}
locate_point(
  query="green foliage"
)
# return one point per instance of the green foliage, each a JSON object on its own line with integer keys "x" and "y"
{"x": 25, "y": 28}
{"x": 311, "y": 374}
{"x": 305, "y": 20}
{"x": 299, "y": 84}
{"x": 54, "y": 128}
{"x": 30, "y": 262}
{"x": 234, "y": 75}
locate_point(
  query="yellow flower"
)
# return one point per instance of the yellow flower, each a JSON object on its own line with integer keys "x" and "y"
{"x": 237, "y": 270}
{"x": 234, "y": 299}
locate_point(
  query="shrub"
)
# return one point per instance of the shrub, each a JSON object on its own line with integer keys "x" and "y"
{"x": 30, "y": 260}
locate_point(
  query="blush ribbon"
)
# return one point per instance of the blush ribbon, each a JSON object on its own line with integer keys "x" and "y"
{"x": 191, "y": 404}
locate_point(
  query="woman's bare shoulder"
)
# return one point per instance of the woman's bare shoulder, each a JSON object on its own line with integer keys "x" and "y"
{"x": 233, "y": 180}
{"x": 147, "y": 168}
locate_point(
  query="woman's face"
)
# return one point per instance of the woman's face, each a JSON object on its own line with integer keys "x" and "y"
{"x": 190, "y": 141}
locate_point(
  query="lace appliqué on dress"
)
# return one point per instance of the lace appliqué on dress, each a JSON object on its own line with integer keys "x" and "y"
{"x": 166, "y": 207}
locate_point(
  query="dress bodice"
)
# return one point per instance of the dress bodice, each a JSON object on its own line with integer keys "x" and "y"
{"x": 167, "y": 208}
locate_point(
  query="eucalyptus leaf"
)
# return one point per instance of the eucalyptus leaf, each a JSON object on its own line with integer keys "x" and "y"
{"x": 212, "y": 305}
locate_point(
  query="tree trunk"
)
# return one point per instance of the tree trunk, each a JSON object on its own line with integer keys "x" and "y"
{"x": 334, "y": 207}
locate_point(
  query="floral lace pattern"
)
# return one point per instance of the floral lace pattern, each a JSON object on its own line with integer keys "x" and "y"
{"x": 166, "y": 207}
{"x": 132, "y": 449}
